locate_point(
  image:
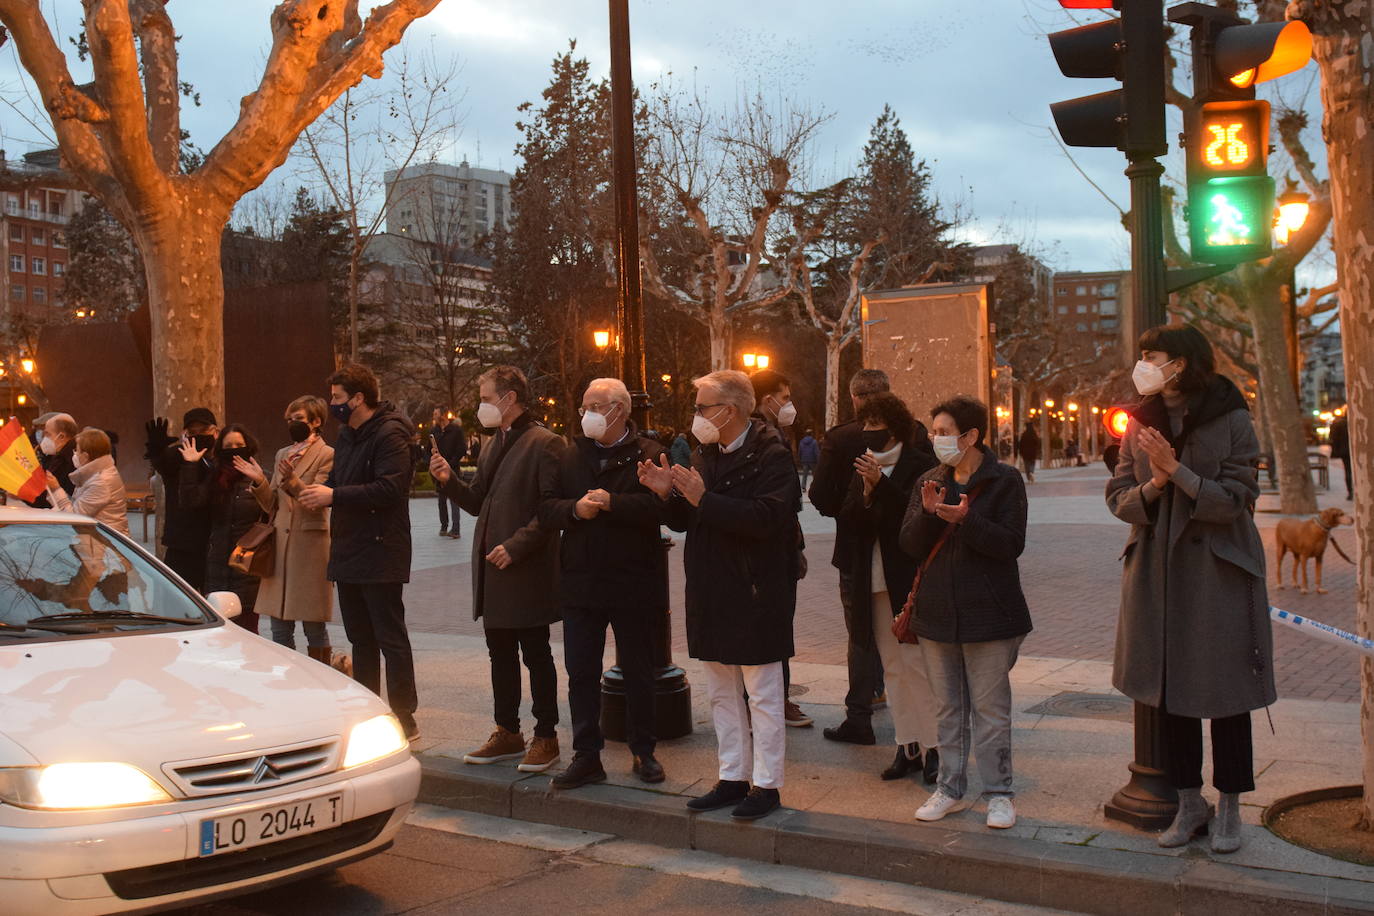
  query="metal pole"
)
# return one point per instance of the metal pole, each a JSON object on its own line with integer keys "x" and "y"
{"x": 672, "y": 693}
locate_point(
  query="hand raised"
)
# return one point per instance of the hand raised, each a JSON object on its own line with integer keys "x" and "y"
{"x": 250, "y": 469}
{"x": 190, "y": 453}
{"x": 932, "y": 496}
{"x": 439, "y": 468}
{"x": 657, "y": 477}
{"x": 954, "y": 514}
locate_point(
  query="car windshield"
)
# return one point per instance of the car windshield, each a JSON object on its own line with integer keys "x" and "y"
{"x": 61, "y": 580}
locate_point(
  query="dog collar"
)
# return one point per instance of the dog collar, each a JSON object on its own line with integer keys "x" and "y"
{"x": 1318, "y": 520}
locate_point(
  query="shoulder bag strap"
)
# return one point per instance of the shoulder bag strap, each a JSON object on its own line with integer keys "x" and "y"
{"x": 920, "y": 573}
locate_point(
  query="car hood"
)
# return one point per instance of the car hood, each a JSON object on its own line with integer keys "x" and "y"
{"x": 148, "y": 698}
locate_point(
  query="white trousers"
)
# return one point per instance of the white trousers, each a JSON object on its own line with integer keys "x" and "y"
{"x": 909, "y": 697}
{"x": 751, "y": 736}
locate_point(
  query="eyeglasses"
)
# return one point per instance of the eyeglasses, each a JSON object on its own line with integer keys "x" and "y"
{"x": 603, "y": 409}
{"x": 703, "y": 407}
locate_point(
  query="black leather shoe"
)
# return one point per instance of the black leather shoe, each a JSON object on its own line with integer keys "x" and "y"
{"x": 851, "y": 731}
{"x": 584, "y": 770}
{"x": 648, "y": 769}
{"x": 931, "y": 772}
{"x": 904, "y": 764}
{"x": 726, "y": 792}
{"x": 758, "y": 803}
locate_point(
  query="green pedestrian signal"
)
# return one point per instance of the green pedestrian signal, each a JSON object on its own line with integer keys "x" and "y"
{"x": 1230, "y": 219}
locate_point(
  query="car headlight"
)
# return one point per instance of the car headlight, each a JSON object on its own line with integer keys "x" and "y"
{"x": 374, "y": 739}
{"x": 71, "y": 786}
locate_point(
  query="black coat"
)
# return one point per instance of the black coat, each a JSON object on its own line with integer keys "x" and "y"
{"x": 1028, "y": 446}
{"x": 232, "y": 510}
{"x": 972, "y": 590}
{"x": 453, "y": 442}
{"x": 184, "y": 527}
{"x": 60, "y": 466}
{"x": 741, "y": 556}
{"x": 369, "y": 523}
{"x": 616, "y": 559}
{"x": 881, "y": 522}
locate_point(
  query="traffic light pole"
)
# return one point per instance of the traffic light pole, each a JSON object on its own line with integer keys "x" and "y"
{"x": 672, "y": 694}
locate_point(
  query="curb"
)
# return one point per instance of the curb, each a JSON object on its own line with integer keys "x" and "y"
{"x": 1008, "y": 868}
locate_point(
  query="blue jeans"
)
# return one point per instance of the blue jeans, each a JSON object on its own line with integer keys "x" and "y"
{"x": 972, "y": 686}
{"x": 284, "y": 632}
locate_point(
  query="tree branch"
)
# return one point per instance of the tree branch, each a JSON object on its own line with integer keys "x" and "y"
{"x": 157, "y": 47}
{"x": 110, "y": 34}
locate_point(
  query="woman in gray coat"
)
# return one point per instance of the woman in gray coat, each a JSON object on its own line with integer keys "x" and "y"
{"x": 1193, "y": 638}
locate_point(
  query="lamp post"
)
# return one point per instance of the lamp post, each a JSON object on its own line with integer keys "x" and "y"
{"x": 672, "y": 694}
{"x": 1294, "y": 206}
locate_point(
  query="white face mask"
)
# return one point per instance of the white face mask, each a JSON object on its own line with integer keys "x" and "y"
{"x": 787, "y": 414}
{"x": 706, "y": 431}
{"x": 77, "y": 460}
{"x": 1148, "y": 378}
{"x": 947, "y": 449}
{"x": 48, "y": 446}
{"x": 594, "y": 424}
{"x": 489, "y": 415}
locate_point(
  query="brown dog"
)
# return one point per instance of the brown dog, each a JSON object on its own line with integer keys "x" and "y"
{"x": 1307, "y": 539}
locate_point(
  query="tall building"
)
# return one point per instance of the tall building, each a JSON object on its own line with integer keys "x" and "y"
{"x": 35, "y": 247}
{"x": 1097, "y": 305}
{"x": 1322, "y": 380}
{"x": 452, "y": 205}
{"x": 988, "y": 260}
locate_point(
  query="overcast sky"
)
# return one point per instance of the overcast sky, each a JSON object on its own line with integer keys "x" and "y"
{"x": 971, "y": 80}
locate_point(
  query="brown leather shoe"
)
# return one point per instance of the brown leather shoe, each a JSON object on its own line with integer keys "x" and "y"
{"x": 543, "y": 753}
{"x": 502, "y": 745}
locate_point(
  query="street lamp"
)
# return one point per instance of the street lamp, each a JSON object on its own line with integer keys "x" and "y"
{"x": 1293, "y": 208}
{"x": 763, "y": 360}
{"x": 27, "y": 365}
{"x": 749, "y": 360}
{"x": 602, "y": 339}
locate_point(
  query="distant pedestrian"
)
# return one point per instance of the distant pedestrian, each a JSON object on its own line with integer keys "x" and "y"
{"x": 1193, "y": 639}
{"x": 226, "y": 492}
{"x": 297, "y": 589}
{"x": 614, "y": 573}
{"x": 885, "y": 475}
{"x": 447, "y": 437}
{"x": 98, "y": 489}
{"x": 1028, "y": 447}
{"x": 808, "y": 455}
{"x": 368, "y": 495}
{"x": 514, "y": 565}
{"x": 737, "y": 505}
{"x": 681, "y": 450}
{"x": 967, "y": 524}
{"x": 1340, "y": 448}
{"x": 185, "y": 529}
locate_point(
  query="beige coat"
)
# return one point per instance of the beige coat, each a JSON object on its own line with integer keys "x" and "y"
{"x": 297, "y": 589}
{"x": 99, "y": 493}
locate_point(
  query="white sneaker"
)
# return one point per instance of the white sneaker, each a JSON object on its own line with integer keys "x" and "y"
{"x": 1001, "y": 812}
{"x": 937, "y": 806}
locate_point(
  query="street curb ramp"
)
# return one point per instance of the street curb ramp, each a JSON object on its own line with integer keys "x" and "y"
{"x": 999, "y": 866}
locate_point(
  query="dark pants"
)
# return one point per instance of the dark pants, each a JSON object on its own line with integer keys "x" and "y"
{"x": 865, "y": 667}
{"x": 584, "y": 645}
{"x": 1233, "y": 768}
{"x": 1030, "y": 467}
{"x": 505, "y": 646}
{"x": 374, "y": 618}
{"x": 1349, "y": 484}
{"x": 189, "y": 564}
{"x": 442, "y": 500}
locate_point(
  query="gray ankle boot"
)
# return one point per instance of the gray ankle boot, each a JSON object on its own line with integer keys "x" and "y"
{"x": 1226, "y": 829}
{"x": 1191, "y": 820}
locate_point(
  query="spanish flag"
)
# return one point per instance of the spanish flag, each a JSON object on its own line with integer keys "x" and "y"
{"x": 20, "y": 472}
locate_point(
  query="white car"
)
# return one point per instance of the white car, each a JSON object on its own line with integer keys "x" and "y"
{"x": 152, "y": 754}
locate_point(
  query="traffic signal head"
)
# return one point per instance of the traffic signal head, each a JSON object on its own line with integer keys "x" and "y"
{"x": 1230, "y": 196}
{"x": 1116, "y": 419}
{"x": 1231, "y": 55}
{"x": 1129, "y": 49}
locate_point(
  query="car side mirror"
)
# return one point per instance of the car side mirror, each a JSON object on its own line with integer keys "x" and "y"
{"x": 225, "y": 604}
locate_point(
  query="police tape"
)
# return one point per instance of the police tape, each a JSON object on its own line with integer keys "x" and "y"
{"x": 1323, "y": 631}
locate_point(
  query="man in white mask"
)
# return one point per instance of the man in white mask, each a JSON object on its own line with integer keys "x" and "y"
{"x": 514, "y": 564}
{"x": 613, "y": 572}
{"x": 56, "y": 451}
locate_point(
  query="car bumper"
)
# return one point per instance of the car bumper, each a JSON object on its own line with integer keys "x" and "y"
{"x": 143, "y": 864}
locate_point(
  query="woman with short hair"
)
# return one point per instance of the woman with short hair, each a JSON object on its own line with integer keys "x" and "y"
{"x": 99, "y": 490}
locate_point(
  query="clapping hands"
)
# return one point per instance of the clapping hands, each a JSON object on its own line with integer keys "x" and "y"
{"x": 657, "y": 477}
{"x": 1163, "y": 462}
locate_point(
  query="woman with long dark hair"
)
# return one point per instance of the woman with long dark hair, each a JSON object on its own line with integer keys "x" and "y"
{"x": 1193, "y": 639}
{"x": 233, "y": 510}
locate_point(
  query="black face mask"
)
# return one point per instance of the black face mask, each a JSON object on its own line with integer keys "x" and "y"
{"x": 227, "y": 455}
{"x": 875, "y": 439}
{"x": 298, "y": 430}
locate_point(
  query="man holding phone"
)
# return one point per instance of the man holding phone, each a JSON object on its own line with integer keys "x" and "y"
{"x": 185, "y": 530}
{"x": 446, "y": 439}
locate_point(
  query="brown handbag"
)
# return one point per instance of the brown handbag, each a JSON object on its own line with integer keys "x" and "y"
{"x": 255, "y": 554}
{"x": 902, "y": 624}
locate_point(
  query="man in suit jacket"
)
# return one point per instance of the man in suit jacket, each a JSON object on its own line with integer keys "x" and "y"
{"x": 446, "y": 436}
{"x": 514, "y": 564}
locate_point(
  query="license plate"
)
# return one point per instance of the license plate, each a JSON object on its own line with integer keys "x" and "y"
{"x": 267, "y": 825}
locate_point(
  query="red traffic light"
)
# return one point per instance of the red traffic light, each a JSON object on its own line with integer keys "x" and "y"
{"x": 1086, "y": 4}
{"x": 1116, "y": 419}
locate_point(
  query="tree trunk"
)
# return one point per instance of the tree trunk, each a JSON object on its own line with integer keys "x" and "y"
{"x": 1297, "y": 496}
{"x": 833, "y": 348}
{"x": 1341, "y": 44}
{"x": 718, "y": 323}
{"x": 181, "y": 257}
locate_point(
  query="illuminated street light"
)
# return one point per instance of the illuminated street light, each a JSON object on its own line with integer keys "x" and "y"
{"x": 1294, "y": 206}
{"x": 1049, "y": 402}
{"x": 1073, "y": 407}
{"x": 763, "y": 361}
{"x": 749, "y": 360}
{"x": 23, "y": 399}
{"x": 27, "y": 366}
{"x": 666, "y": 378}
{"x": 602, "y": 339}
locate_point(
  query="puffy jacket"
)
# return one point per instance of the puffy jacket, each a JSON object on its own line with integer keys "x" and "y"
{"x": 99, "y": 493}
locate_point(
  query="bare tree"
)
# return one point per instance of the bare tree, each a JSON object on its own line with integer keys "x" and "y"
{"x": 717, "y": 180}
{"x": 120, "y": 137}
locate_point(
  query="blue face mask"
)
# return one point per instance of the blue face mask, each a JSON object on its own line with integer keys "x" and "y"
{"x": 341, "y": 412}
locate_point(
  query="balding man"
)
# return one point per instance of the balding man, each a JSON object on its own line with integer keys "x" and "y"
{"x": 614, "y": 573}
{"x": 55, "y": 451}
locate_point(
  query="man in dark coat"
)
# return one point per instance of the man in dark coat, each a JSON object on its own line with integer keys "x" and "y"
{"x": 1028, "y": 447}
{"x": 56, "y": 449}
{"x": 514, "y": 565}
{"x": 834, "y": 475}
{"x": 737, "y": 504}
{"x": 185, "y": 529}
{"x": 613, "y": 572}
{"x": 368, "y": 491}
{"x": 447, "y": 438}
{"x": 1340, "y": 448}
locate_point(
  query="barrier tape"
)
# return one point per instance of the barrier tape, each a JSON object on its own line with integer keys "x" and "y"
{"x": 1323, "y": 631}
